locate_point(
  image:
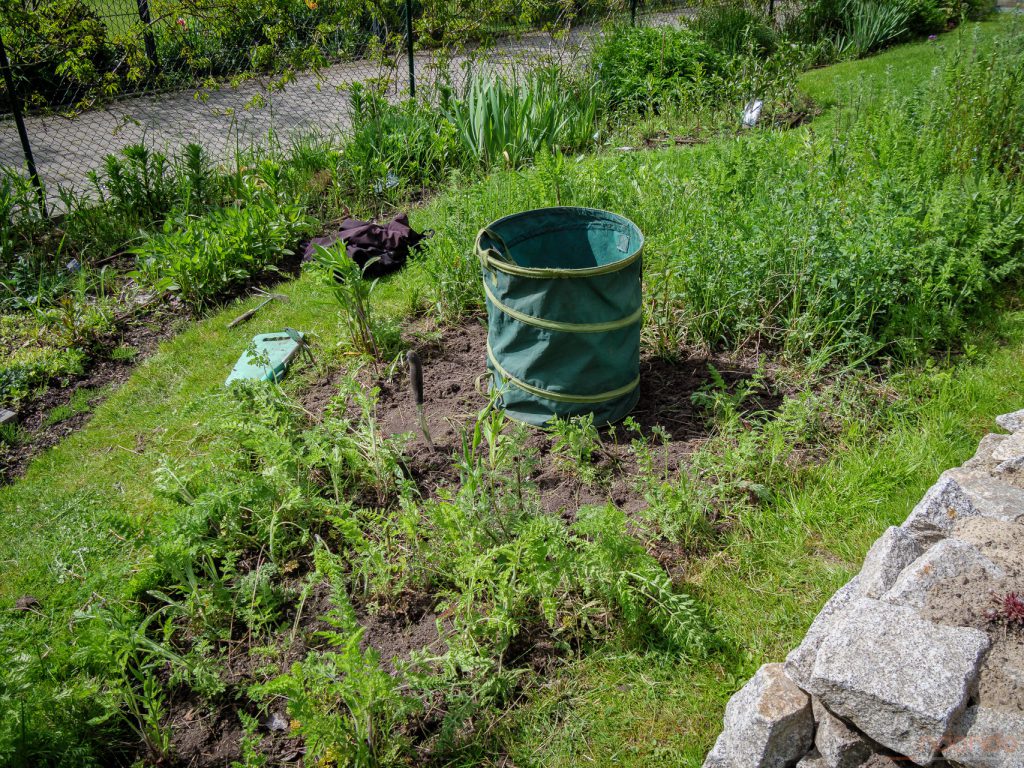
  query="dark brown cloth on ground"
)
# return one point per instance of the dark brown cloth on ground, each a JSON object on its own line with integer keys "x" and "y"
{"x": 377, "y": 248}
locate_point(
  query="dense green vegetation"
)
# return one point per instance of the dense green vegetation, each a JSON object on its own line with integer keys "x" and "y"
{"x": 692, "y": 81}
{"x": 71, "y": 54}
{"x": 865, "y": 264}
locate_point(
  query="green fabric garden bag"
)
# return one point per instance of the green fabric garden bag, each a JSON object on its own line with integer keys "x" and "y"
{"x": 564, "y": 314}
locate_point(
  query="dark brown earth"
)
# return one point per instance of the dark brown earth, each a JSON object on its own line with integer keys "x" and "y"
{"x": 453, "y": 385}
{"x": 205, "y": 736}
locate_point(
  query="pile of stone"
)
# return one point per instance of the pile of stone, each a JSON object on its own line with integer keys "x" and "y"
{"x": 919, "y": 659}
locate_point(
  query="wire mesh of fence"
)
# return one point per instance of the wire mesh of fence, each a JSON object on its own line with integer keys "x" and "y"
{"x": 92, "y": 77}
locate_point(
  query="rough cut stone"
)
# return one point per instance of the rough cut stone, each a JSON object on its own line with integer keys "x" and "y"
{"x": 1010, "y": 448}
{"x": 948, "y": 560}
{"x": 812, "y": 760}
{"x": 934, "y": 515}
{"x": 889, "y": 555}
{"x": 838, "y": 745}
{"x": 800, "y": 660}
{"x": 768, "y": 724}
{"x": 989, "y": 496}
{"x": 986, "y": 738}
{"x": 884, "y": 761}
{"x": 1010, "y": 466}
{"x": 982, "y": 458}
{"x": 899, "y": 679}
{"x": 1012, "y": 422}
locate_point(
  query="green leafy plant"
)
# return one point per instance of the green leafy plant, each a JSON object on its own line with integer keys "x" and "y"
{"x": 348, "y": 709}
{"x": 648, "y": 68}
{"x": 134, "y": 691}
{"x": 260, "y": 599}
{"x": 200, "y": 258}
{"x": 730, "y": 25}
{"x": 576, "y": 445}
{"x": 352, "y": 449}
{"x": 506, "y": 121}
{"x": 725, "y": 405}
{"x": 395, "y": 148}
{"x": 364, "y": 334}
{"x": 615, "y": 567}
{"x": 41, "y": 353}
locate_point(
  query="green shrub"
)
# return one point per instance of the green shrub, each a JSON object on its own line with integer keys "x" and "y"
{"x": 732, "y": 27}
{"x": 858, "y": 27}
{"x": 817, "y": 20}
{"x": 927, "y": 16}
{"x": 216, "y": 39}
{"x": 645, "y": 68}
{"x": 201, "y": 258}
{"x": 395, "y": 148}
{"x": 65, "y": 54}
{"x": 60, "y": 51}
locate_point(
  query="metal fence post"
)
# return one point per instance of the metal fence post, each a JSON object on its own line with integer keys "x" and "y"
{"x": 19, "y": 121}
{"x": 147, "y": 32}
{"x": 632, "y": 12}
{"x": 408, "y": 48}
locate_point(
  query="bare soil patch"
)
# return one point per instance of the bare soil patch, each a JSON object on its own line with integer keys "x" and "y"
{"x": 454, "y": 383}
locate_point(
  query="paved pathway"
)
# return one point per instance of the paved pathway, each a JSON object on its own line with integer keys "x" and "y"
{"x": 67, "y": 149}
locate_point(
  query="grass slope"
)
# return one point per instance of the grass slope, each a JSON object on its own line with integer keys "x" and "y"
{"x": 84, "y": 516}
{"x": 630, "y": 709}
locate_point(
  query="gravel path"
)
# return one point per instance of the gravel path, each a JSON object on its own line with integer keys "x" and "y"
{"x": 67, "y": 149}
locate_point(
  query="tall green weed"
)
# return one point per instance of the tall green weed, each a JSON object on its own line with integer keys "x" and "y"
{"x": 199, "y": 259}
{"x": 641, "y": 69}
{"x": 506, "y": 120}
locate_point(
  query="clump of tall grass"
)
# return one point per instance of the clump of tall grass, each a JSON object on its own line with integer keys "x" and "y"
{"x": 504, "y": 120}
{"x": 890, "y": 236}
{"x": 868, "y": 25}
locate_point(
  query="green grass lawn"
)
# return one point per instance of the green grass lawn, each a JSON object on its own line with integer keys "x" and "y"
{"x": 121, "y": 17}
{"x": 621, "y": 708}
{"x": 82, "y": 522}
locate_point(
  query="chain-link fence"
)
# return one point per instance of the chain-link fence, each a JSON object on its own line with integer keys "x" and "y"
{"x": 88, "y": 77}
